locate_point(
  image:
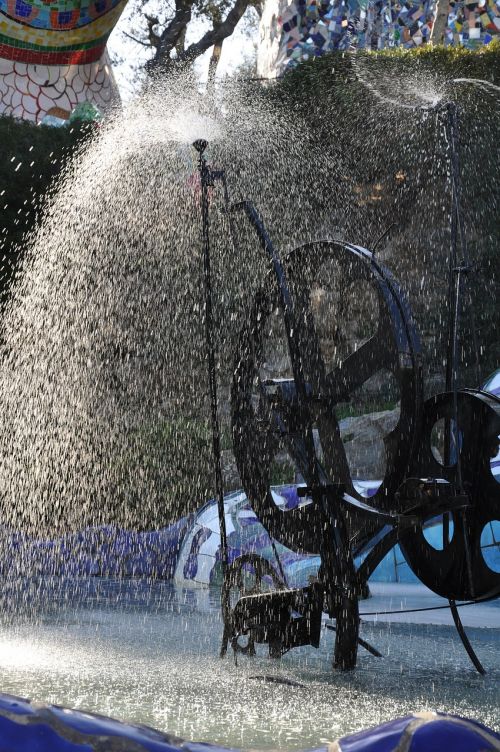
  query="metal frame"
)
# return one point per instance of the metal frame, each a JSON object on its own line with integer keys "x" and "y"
{"x": 336, "y": 523}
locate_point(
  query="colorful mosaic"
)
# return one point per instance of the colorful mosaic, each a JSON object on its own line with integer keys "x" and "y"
{"x": 26, "y": 725}
{"x": 309, "y": 28}
{"x": 53, "y": 56}
{"x": 188, "y": 552}
{"x": 39, "y": 92}
{"x": 59, "y": 15}
{"x": 67, "y": 32}
{"x": 199, "y": 562}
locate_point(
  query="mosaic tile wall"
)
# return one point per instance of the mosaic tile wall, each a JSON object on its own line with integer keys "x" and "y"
{"x": 301, "y": 29}
{"x": 53, "y": 56}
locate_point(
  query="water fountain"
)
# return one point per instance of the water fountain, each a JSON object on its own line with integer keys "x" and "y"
{"x": 336, "y": 522}
{"x": 85, "y": 409}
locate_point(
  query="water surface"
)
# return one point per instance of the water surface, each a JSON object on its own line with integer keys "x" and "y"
{"x": 148, "y": 653}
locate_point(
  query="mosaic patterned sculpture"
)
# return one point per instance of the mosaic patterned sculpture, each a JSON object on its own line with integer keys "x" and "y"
{"x": 50, "y": 728}
{"x": 53, "y": 56}
{"x": 188, "y": 552}
{"x": 301, "y": 29}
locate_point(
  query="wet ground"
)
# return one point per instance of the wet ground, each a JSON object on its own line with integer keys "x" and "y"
{"x": 149, "y": 654}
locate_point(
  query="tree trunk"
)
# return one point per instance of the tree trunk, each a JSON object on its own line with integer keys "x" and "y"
{"x": 181, "y": 43}
{"x": 174, "y": 31}
{"x": 214, "y": 62}
{"x": 440, "y": 22}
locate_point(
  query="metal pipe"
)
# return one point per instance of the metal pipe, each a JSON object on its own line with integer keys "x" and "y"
{"x": 206, "y": 183}
{"x": 456, "y": 272}
{"x": 463, "y": 636}
{"x": 454, "y": 290}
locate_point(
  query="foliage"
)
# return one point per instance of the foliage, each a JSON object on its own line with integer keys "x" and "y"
{"x": 168, "y": 460}
{"x": 452, "y": 61}
{"x": 394, "y": 161}
{"x": 282, "y": 473}
{"x": 31, "y": 158}
{"x": 483, "y": 60}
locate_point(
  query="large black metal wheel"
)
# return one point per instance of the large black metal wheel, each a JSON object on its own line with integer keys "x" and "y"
{"x": 265, "y": 413}
{"x": 456, "y": 567}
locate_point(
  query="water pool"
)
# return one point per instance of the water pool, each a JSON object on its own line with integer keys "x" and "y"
{"x": 148, "y": 653}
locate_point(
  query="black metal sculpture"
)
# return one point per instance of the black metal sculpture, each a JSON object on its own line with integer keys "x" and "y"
{"x": 335, "y": 520}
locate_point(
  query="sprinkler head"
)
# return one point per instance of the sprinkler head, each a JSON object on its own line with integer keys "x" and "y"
{"x": 200, "y": 145}
{"x": 447, "y": 105}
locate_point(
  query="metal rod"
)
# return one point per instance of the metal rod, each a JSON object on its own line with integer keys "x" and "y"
{"x": 453, "y": 291}
{"x": 364, "y": 644}
{"x": 382, "y": 237}
{"x": 206, "y": 183}
{"x": 427, "y": 608}
{"x": 456, "y": 272}
{"x": 465, "y": 640}
{"x": 454, "y": 370}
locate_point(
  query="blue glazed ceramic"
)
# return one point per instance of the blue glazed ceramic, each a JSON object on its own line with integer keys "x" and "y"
{"x": 25, "y": 727}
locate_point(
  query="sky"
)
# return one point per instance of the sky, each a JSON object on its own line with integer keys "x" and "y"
{"x": 237, "y": 50}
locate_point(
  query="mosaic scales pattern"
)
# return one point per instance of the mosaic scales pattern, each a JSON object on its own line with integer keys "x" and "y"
{"x": 301, "y": 29}
{"x": 53, "y": 56}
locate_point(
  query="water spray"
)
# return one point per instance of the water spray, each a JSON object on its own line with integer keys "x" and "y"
{"x": 416, "y": 488}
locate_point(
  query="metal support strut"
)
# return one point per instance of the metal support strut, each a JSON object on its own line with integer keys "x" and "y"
{"x": 457, "y": 272}
{"x": 206, "y": 179}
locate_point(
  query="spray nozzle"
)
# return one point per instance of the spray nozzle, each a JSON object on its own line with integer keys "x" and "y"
{"x": 200, "y": 145}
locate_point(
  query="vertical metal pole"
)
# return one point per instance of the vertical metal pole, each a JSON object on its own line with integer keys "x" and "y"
{"x": 456, "y": 272}
{"x": 206, "y": 182}
{"x": 452, "y": 260}
{"x": 454, "y": 289}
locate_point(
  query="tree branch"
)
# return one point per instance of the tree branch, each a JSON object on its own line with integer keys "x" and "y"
{"x": 217, "y": 34}
{"x": 258, "y": 7}
{"x": 213, "y": 63}
{"x": 139, "y": 41}
{"x": 154, "y": 38}
{"x": 440, "y": 22}
{"x": 170, "y": 36}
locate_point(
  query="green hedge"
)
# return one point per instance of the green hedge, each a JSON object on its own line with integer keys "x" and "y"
{"x": 31, "y": 157}
{"x": 321, "y": 76}
{"x": 390, "y": 166}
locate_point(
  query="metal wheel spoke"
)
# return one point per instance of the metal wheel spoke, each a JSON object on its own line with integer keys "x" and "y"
{"x": 258, "y": 433}
{"x": 334, "y": 455}
{"x": 373, "y": 355}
